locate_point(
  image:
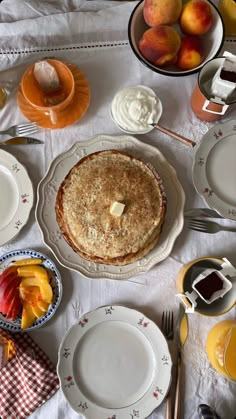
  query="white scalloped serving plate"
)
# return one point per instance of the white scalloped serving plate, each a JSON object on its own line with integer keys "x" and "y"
{"x": 47, "y": 192}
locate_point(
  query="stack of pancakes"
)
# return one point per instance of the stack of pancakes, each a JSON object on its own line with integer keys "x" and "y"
{"x": 84, "y": 201}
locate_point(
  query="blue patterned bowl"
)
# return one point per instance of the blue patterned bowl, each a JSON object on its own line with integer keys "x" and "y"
{"x": 55, "y": 282}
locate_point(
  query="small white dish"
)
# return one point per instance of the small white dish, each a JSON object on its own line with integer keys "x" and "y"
{"x": 6, "y": 260}
{"x": 214, "y": 169}
{"x": 17, "y": 190}
{"x": 114, "y": 363}
{"x": 124, "y": 102}
{"x": 47, "y": 192}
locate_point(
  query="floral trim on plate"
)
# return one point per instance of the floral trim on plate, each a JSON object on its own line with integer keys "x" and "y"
{"x": 214, "y": 169}
{"x": 83, "y": 382}
{"x": 18, "y": 194}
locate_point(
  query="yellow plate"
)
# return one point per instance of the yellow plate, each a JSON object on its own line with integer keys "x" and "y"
{"x": 185, "y": 279}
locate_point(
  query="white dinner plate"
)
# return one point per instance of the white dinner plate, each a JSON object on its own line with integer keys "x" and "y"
{"x": 47, "y": 192}
{"x": 6, "y": 260}
{"x": 114, "y": 363}
{"x": 214, "y": 169}
{"x": 16, "y": 197}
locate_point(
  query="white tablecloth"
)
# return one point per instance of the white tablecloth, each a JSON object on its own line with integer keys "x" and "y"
{"x": 93, "y": 35}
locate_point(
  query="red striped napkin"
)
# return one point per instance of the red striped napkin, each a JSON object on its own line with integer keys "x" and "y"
{"x": 28, "y": 380}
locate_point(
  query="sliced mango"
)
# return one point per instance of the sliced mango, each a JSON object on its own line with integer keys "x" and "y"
{"x": 29, "y": 296}
{"x": 36, "y": 310}
{"x": 33, "y": 296}
{"x": 28, "y": 289}
{"x": 45, "y": 287}
{"x": 28, "y": 316}
{"x": 29, "y": 261}
{"x": 33, "y": 270}
{"x": 43, "y": 305}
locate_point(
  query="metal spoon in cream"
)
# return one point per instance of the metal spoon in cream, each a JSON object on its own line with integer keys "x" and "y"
{"x": 135, "y": 109}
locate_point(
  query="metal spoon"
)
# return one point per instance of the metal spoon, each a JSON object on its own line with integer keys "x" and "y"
{"x": 166, "y": 131}
{"x": 174, "y": 135}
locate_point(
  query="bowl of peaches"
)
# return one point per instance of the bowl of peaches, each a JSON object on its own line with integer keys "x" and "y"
{"x": 30, "y": 290}
{"x": 175, "y": 37}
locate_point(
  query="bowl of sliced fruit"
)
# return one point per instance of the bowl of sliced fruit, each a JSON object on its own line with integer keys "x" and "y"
{"x": 30, "y": 290}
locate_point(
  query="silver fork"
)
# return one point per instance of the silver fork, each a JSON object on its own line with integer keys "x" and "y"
{"x": 20, "y": 130}
{"x": 167, "y": 327}
{"x": 207, "y": 226}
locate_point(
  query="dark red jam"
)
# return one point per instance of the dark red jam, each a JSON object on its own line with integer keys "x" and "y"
{"x": 208, "y": 285}
{"x": 228, "y": 75}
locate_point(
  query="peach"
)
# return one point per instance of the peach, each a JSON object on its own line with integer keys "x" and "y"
{"x": 196, "y": 17}
{"x": 161, "y": 12}
{"x": 190, "y": 54}
{"x": 160, "y": 45}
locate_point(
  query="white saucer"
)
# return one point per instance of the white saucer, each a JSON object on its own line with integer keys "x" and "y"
{"x": 17, "y": 197}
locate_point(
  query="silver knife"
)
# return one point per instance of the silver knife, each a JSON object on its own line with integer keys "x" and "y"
{"x": 202, "y": 212}
{"x": 21, "y": 140}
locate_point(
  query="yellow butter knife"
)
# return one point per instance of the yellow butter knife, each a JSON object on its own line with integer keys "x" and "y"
{"x": 21, "y": 140}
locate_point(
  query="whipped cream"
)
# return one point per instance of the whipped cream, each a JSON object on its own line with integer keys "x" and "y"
{"x": 134, "y": 109}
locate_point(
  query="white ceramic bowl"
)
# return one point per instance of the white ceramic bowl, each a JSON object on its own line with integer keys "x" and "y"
{"x": 55, "y": 282}
{"x": 212, "y": 41}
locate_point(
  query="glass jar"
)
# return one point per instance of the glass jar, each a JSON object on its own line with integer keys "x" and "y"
{"x": 4, "y": 351}
{"x": 221, "y": 348}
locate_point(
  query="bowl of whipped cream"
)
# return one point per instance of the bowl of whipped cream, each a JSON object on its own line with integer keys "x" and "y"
{"x": 136, "y": 109}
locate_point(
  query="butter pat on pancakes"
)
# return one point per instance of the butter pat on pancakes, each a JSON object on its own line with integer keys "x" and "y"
{"x": 111, "y": 208}
{"x": 117, "y": 208}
